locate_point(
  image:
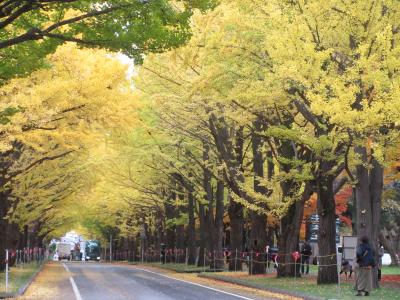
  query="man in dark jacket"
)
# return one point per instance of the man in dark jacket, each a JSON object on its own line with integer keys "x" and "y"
{"x": 306, "y": 252}
{"x": 365, "y": 262}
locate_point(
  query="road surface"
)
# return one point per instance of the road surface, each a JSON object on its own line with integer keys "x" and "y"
{"x": 101, "y": 281}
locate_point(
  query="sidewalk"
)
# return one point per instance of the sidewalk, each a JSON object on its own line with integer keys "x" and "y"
{"x": 51, "y": 283}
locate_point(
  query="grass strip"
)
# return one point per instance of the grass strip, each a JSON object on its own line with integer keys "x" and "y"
{"x": 302, "y": 287}
{"x": 19, "y": 277}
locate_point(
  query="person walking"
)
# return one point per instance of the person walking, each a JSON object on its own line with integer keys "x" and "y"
{"x": 381, "y": 252}
{"x": 365, "y": 263}
{"x": 306, "y": 253}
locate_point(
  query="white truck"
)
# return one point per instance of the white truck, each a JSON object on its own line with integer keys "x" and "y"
{"x": 63, "y": 250}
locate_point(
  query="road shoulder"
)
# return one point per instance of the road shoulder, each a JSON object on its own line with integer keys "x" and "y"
{"x": 52, "y": 282}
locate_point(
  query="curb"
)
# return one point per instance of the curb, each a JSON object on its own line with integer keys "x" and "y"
{"x": 255, "y": 286}
{"x": 23, "y": 288}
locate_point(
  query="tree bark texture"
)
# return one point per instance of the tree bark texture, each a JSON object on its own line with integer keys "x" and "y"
{"x": 327, "y": 271}
{"x": 258, "y": 234}
{"x": 369, "y": 200}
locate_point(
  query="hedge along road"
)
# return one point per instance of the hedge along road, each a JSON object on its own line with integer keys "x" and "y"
{"x": 101, "y": 281}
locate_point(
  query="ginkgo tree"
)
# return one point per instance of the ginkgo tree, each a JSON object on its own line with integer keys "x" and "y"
{"x": 30, "y": 30}
{"x": 267, "y": 103}
{"x": 292, "y": 72}
{"x": 63, "y": 114}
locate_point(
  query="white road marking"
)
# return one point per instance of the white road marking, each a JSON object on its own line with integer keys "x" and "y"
{"x": 74, "y": 287}
{"x": 66, "y": 268}
{"x": 203, "y": 286}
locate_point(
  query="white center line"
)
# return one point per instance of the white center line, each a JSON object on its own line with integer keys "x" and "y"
{"x": 66, "y": 268}
{"x": 74, "y": 287}
{"x": 203, "y": 286}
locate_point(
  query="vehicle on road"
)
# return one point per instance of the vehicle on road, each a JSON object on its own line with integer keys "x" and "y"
{"x": 76, "y": 253}
{"x": 63, "y": 250}
{"x": 92, "y": 250}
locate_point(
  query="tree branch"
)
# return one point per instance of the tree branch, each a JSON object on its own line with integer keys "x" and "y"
{"x": 40, "y": 161}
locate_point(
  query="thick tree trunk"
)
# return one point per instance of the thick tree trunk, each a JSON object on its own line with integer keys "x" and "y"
{"x": 327, "y": 271}
{"x": 376, "y": 188}
{"x": 159, "y": 234}
{"x": 217, "y": 228}
{"x": 363, "y": 196}
{"x": 258, "y": 238}
{"x": 258, "y": 235}
{"x": 180, "y": 237}
{"x": 191, "y": 233}
{"x": 368, "y": 197}
{"x": 170, "y": 236}
{"x": 288, "y": 240}
{"x": 235, "y": 212}
{"x": 204, "y": 232}
{"x": 207, "y": 231}
{"x": 180, "y": 228}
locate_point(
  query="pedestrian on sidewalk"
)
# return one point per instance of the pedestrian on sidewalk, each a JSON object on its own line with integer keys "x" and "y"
{"x": 365, "y": 263}
{"x": 381, "y": 252}
{"x": 306, "y": 253}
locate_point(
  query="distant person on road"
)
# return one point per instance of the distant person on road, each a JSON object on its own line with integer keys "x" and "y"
{"x": 306, "y": 253}
{"x": 365, "y": 263}
{"x": 381, "y": 252}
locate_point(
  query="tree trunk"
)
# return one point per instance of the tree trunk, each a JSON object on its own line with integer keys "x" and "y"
{"x": 363, "y": 196}
{"x": 288, "y": 240}
{"x": 327, "y": 271}
{"x": 207, "y": 231}
{"x": 170, "y": 236}
{"x": 204, "y": 229}
{"x": 217, "y": 228}
{"x": 258, "y": 234}
{"x": 368, "y": 197}
{"x": 235, "y": 212}
{"x": 3, "y": 229}
{"x": 191, "y": 234}
{"x": 180, "y": 228}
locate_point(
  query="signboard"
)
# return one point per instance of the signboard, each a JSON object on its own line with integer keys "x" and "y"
{"x": 349, "y": 248}
{"x": 312, "y": 228}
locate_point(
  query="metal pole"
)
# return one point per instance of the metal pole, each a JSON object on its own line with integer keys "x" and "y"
{"x": 110, "y": 247}
{"x": 339, "y": 283}
{"x": 6, "y": 270}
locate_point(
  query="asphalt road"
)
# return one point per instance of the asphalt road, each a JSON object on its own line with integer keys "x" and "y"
{"x": 96, "y": 281}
